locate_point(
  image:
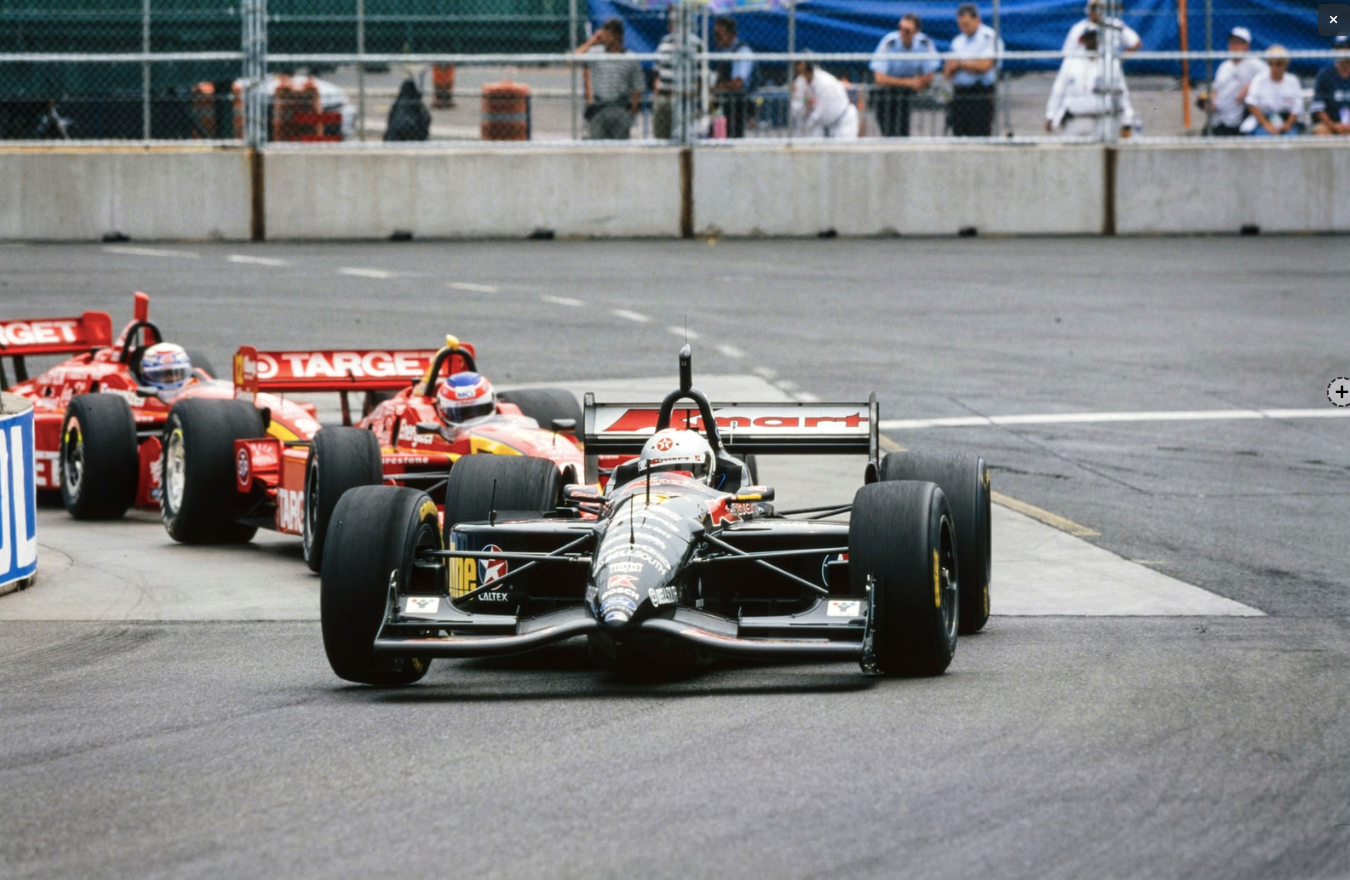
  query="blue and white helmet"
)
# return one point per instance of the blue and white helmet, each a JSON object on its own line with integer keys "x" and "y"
{"x": 166, "y": 366}
{"x": 465, "y": 396}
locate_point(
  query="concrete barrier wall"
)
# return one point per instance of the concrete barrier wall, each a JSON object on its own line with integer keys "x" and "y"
{"x": 907, "y": 189}
{"x": 1192, "y": 188}
{"x": 158, "y": 193}
{"x": 471, "y": 193}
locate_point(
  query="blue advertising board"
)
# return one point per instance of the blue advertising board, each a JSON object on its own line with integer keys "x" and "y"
{"x": 18, "y": 496}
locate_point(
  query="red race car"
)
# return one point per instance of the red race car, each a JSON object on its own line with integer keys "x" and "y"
{"x": 230, "y": 468}
{"x": 97, "y": 415}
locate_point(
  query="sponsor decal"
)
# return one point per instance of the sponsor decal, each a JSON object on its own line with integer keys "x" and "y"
{"x": 422, "y": 605}
{"x": 463, "y": 576}
{"x": 340, "y": 364}
{"x": 648, "y": 538}
{"x": 491, "y": 569}
{"x": 623, "y": 591}
{"x": 290, "y": 511}
{"x": 45, "y": 468}
{"x": 825, "y": 419}
{"x": 56, "y": 331}
{"x": 720, "y": 512}
{"x": 664, "y": 595}
{"x": 844, "y": 608}
{"x": 493, "y": 596}
{"x": 242, "y": 466}
{"x": 628, "y": 567}
{"x": 622, "y": 580}
{"x": 629, "y": 552}
{"x": 617, "y": 603}
{"x": 664, "y": 444}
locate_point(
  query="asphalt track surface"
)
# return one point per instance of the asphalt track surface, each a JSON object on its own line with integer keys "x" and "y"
{"x": 1056, "y": 746}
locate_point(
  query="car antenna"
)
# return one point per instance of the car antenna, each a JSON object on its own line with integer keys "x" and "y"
{"x": 492, "y": 505}
{"x": 631, "y": 513}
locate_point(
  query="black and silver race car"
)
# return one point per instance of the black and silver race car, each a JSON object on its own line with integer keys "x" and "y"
{"x": 663, "y": 567}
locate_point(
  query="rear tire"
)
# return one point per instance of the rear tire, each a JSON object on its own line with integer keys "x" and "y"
{"x": 339, "y": 459}
{"x": 100, "y": 457}
{"x": 375, "y": 534}
{"x": 198, "y": 500}
{"x": 545, "y": 404}
{"x": 901, "y": 535}
{"x": 523, "y": 485}
{"x": 964, "y": 479}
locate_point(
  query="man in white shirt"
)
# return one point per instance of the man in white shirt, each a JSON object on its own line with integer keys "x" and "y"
{"x": 1228, "y": 100}
{"x": 972, "y": 72}
{"x": 820, "y": 104}
{"x": 899, "y": 78}
{"x": 1126, "y": 39}
{"x": 1076, "y": 107}
{"x": 1274, "y": 99}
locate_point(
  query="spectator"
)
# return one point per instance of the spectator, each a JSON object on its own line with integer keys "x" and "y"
{"x": 613, "y": 86}
{"x": 1076, "y": 107}
{"x": 1126, "y": 40}
{"x": 972, "y": 73}
{"x": 662, "y": 111}
{"x": 733, "y": 79}
{"x": 900, "y": 78}
{"x": 1274, "y": 99}
{"x": 1228, "y": 103}
{"x": 820, "y": 104}
{"x": 1330, "y": 106}
{"x": 409, "y": 118}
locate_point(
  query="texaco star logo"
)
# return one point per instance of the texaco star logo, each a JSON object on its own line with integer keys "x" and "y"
{"x": 492, "y": 568}
{"x": 664, "y": 444}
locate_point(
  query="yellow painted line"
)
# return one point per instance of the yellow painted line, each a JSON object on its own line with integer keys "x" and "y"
{"x": 889, "y": 445}
{"x": 1053, "y": 520}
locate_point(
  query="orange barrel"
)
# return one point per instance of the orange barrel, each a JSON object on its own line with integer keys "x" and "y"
{"x": 238, "y": 93}
{"x": 443, "y": 85}
{"x": 295, "y": 111}
{"x": 506, "y": 112}
{"x": 204, "y": 110}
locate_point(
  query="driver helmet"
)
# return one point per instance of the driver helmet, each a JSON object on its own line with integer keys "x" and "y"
{"x": 166, "y": 366}
{"x": 676, "y": 450}
{"x": 465, "y": 396}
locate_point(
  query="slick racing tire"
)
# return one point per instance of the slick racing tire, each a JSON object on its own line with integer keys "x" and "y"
{"x": 339, "y": 459}
{"x": 369, "y": 561}
{"x": 964, "y": 479}
{"x": 198, "y": 500}
{"x": 545, "y": 404}
{"x": 100, "y": 457}
{"x": 480, "y": 484}
{"x": 901, "y": 535}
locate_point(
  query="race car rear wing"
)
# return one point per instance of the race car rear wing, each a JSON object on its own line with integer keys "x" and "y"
{"x": 43, "y": 336}
{"x": 328, "y": 370}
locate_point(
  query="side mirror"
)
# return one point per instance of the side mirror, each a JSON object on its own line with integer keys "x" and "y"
{"x": 578, "y": 493}
{"x": 751, "y": 494}
{"x": 565, "y": 426}
{"x": 428, "y": 428}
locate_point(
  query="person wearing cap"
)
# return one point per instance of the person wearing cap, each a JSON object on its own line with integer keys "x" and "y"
{"x": 820, "y": 104}
{"x": 972, "y": 70}
{"x": 899, "y": 78}
{"x": 1330, "y": 107}
{"x": 1274, "y": 99}
{"x": 1126, "y": 39}
{"x": 1227, "y": 102}
{"x": 1076, "y": 106}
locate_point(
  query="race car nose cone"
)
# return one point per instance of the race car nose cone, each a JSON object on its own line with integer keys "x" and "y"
{"x": 617, "y": 618}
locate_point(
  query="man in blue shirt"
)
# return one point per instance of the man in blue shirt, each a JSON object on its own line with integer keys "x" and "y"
{"x": 972, "y": 71}
{"x": 735, "y": 79}
{"x": 899, "y": 78}
{"x": 1330, "y": 106}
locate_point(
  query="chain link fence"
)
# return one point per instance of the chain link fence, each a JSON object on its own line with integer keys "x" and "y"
{"x": 330, "y": 71}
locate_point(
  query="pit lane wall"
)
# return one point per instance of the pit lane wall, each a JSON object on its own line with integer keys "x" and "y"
{"x": 741, "y": 189}
{"x": 18, "y": 495}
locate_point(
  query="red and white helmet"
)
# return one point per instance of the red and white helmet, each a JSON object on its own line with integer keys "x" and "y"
{"x": 166, "y": 366}
{"x": 465, "y": 396}
{"x": 676, "y": 450}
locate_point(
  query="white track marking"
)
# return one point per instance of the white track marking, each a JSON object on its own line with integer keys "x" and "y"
{"x": 731, "y": 351}
{"x": 563, "y": 301}
{"x": 1201, "y": 415}
{"x": 472, "y": 288}
{"x": 682, "y": 333}
{"x": 635, "y": 317}
{"x": 765, "y": 372}
{"x": 365, "y": 273}
{"x": 256, "y": 261}
{"x": 148, "y": 252}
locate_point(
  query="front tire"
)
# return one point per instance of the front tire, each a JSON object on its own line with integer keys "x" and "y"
{"x": 902, "y": 556}
{"x": 100, "y": 457}
{"x": 369, "y": 562}
{"x": 198, "y": 500}
{"x": 480, "y": 484}
{"x": 964, "y": 479}
{"x": 339, "y": 459}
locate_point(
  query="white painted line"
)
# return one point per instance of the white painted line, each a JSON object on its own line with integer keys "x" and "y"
{"x": 148, "y": 252}
{"x": 787, "y": 385}
{"x": 636, "y": 317}
{"x": 731, "y": 351}
{"x": 365, "y": 273}
{"x": 256, "y": 261}
{"x": 683, "y": 333}
{"x": 472, "y": 288}
{"x": 1085, "y": 418}
{"x": 563, "y": 301}
{"x": 765, "y": 372}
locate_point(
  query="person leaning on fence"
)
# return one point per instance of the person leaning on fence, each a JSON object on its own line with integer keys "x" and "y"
{"x": 899, "y": 78}
{"x": 1274, "y": 99}
{"x": 733, "y": 80}
{"x": 1126, "y": 40}
{"x": 1228, "y": 103}
{"x": 820, "y": 104}
{"x": 613, "y": 86}
{"x": 1330, "y": 106}
{"x": 1076, "y": 106}
{"x": 662, "y": 110}
{"x": 972, "y": 71}
{"x": 409, "y": 118}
